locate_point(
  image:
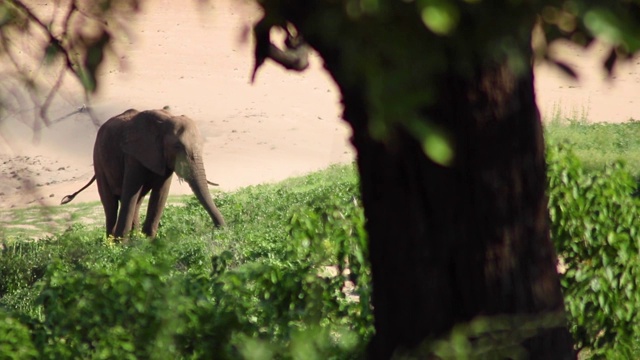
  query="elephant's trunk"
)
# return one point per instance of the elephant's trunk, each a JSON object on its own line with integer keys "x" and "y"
{"x": 198, "y": 183}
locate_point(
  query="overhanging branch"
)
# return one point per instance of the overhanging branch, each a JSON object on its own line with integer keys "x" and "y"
{"x": 294, "y": 57}
{"x": 53, "y": 40}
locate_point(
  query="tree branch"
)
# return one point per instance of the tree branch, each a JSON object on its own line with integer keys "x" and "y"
{"x": 47, "y": 102}
{"x": 52, "y": 39}
{"x": 294, "y": 57}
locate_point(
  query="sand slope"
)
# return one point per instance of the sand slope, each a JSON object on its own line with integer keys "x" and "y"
{"x": 195, "y": 61}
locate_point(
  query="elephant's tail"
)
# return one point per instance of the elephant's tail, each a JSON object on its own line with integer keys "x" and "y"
{"x": 68, "y": 198}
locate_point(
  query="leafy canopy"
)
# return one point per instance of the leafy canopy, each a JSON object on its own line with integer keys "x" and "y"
{"x": 397, "y": 52}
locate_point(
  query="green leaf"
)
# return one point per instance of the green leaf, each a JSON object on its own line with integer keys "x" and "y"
{"x": 87, "y": 80}
{"x": 52, "y": 50}
{"x": 438, "y": 148}
{"x": 436, "y": 144}
{"x": 618, "y": 28}
{"x": 440, "y": 16}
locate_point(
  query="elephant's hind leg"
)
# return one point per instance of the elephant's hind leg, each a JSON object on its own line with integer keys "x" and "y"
{"x": 110, "y": 206}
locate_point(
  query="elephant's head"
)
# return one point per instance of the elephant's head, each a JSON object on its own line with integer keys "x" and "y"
{"x": 164, "y": 143}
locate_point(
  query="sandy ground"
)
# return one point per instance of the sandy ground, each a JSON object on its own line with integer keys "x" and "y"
{"x": 195, "y": 61}
{"x": 594, "y": 96}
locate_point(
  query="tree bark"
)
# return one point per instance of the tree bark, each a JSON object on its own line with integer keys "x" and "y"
{"x": 449, "y": 244}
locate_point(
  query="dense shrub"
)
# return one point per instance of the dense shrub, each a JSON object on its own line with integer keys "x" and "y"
{"x": 595, "y": 228}
{"x": 15, "y": 339}
{"x": 286, "y": 279}
{"x": 121, "y": 312}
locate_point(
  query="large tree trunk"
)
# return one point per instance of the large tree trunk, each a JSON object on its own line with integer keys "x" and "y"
{"x": 448, "y": 244}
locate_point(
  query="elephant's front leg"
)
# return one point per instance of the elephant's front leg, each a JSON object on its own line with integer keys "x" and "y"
{"x": 134, "y": 175}
{"x": 157, "y": 201}
{"x": 136, "y": 215}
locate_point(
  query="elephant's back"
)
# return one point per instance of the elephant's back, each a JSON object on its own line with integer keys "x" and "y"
{"x": 120, "y": 119}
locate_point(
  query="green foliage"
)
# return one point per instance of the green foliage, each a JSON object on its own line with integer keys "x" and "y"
{"x": 485, "y": 337}
{"x": 120, "y": 312}
{"x": 15, "y": 339}
{"x": 599, "y": 144}
{"x": 595, "y": 229}
{"x": 288, "y": 278}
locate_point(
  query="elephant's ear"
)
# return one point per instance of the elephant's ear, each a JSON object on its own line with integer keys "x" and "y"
{"x": 144, "y": 141}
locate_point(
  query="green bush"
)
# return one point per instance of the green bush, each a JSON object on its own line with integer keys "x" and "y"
{"x": 260, "y": 287}
{"x": 288, "y": 278}
{"x": 107, "y": 312}
{"x": 15, "y": 339}
{"x": 595, "y": 229}
{"x": 23, "y": 263}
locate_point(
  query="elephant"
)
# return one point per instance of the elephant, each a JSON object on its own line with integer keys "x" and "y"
{"x": 136, "y": 153}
